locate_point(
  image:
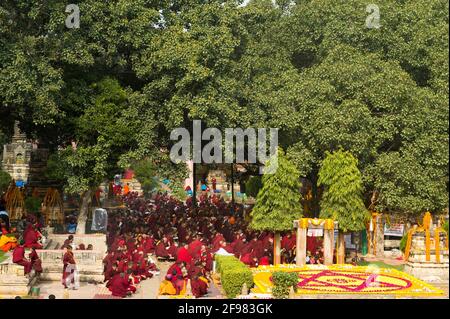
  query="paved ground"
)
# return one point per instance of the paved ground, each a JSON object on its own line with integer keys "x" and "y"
{"x": 148, "y": 289}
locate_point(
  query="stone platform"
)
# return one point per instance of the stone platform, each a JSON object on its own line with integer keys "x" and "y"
{"x": 13, "y": 281}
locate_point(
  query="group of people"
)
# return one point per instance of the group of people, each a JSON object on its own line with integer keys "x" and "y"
{"x": 189, "y": 237}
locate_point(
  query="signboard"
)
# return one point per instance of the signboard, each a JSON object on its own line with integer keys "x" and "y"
{"x": 394, "y": 230}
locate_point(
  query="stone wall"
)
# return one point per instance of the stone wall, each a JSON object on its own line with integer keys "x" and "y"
{"x": 12, "y": 280}
{"x": 89, "y": 262}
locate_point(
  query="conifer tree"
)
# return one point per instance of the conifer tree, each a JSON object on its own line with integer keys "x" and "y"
{"x": 278, "y": 201}
{"x": 342, "y": 198}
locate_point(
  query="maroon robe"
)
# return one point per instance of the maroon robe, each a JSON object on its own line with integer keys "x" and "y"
{"x": 19, "y": 258}
{"x": 199, "y": 288}
{"x": 67, "y": 260}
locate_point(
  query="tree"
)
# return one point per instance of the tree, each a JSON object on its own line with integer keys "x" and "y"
{"x": 342, "y": 199}
{"x": 278, "y": 201}
{"x": 5, "y": 180}
{"x": 144, "y": 171}
{"x": 253, "y": 185}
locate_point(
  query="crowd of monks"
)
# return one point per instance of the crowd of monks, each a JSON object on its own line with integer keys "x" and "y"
{"x": 188, "y": 236}
{"x": 174, "y": 231}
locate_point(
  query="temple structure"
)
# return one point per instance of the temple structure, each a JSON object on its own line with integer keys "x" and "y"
{"x": 17, "y": 156}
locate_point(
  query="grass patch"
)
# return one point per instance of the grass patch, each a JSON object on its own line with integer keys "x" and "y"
{"x": 3, "y": 256}
{"x": 380, "y": 264}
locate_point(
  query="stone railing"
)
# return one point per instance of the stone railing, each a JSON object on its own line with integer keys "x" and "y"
{"x": 89, "y": 262}
{"x": 98, "y": 241}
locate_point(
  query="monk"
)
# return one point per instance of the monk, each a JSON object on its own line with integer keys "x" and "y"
{"x": 31, "y": 237}
{"x": 199, "y": 286}
{"x": 183, "y": 254}
{"x": 118, "y": 285}
{"x": 20, "y": 259}
{"x": 166, "y": 287}
{"x": 69, "y": 265}
{"x": 35, "y": 261}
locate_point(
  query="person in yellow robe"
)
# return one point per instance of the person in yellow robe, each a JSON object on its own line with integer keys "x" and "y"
{"x": 166, "y": 287}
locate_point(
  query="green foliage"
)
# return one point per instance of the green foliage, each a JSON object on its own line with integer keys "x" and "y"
{"x": 253, "y": 185}
{"x": 278, "y": 201}
{"x": 403, "y": 243}
{"x": 282, "y": 282}
{"x": 445, "y": 226}
{"x": 343, "y": 189}
{"x": 312, "y": 69}
{"x": 233, "y": 275}
{"x": 33, "y": 204}
{"x": 5, "y": 180}
{"x": 144, "y": 172}
{"x": 56, "y": 168}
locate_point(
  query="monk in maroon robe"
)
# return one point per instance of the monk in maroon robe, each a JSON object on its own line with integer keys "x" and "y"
{"x": 20, "y": 259}
{"x": 119, "y": 285}
{"x": 35, "y": 261}
{"x": 31, "y": 237}
{"x": 183, "y": 255}
{"x": 199, "y": 288}
{"x": 68, "y": 261}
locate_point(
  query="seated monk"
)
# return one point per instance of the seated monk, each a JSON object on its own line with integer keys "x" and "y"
{"x": 161, "y": 249}
{"x": 35, "y": 261}
{"x": 31, "y": 237}
{"x": 183, "y": 255}
{"x": 20, "y": 259}
{"x": 118, "y": 285}
{"x": 166, "y": 287}
{"x": 199, "y": 286}
{"x": 67, "y": 242}
{"x": 129, "y": 276}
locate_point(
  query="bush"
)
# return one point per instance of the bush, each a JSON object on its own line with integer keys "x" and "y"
{"x": 233, "y": 275}
{"x": 253, "y": 185}
{"x": 33, "y": 204}
{"x": 282, "y": 282}
{"x": 5, "y": 180}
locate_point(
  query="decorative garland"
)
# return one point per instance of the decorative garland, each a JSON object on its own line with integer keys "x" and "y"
{"x": 328, "y": 224}
{"x": 425, "y": 228}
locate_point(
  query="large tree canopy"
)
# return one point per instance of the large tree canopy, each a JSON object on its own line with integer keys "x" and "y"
{"x": 135, "y": 70}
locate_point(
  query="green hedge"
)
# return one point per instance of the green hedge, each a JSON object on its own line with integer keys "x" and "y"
{"x": 233, "y": 275}
{"x": 282, "y": 283}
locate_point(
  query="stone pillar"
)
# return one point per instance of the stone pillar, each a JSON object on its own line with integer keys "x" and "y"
{"x": 328, "y": 246}
{"x": 379, "y": 249}
{"x": 301, "y": 246}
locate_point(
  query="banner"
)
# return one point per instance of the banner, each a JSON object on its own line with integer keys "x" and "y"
{"x": 394, "y": 230}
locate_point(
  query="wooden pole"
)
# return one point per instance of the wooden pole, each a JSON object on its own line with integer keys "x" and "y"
{"x": 276, "y": 249}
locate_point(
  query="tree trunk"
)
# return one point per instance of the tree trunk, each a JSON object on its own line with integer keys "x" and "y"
{"x": 82, "y": 216}
{"x": 341, "y": 248}
{"x": 277, "y": 249}
{"x": 315, "y": 194}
